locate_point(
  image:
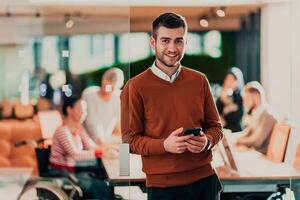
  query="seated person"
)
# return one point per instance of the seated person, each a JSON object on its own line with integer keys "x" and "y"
{"x": 103, "y": 103}
{"x": 71, "y": 145}
{"x": 258, "y": 132}
{"x": 230, "y": 102}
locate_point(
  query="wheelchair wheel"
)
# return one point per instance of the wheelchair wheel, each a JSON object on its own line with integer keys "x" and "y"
{"x": 43, "y": 191}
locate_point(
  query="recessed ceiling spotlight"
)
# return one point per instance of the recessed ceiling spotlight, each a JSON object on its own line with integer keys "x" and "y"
{"x": 204, "y": 21}
{"x": 221, "y": 12}
{"x": 69, "y": 23}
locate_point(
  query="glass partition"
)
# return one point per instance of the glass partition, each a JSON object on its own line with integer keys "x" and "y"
{"x": 293, "y": 149}
{"x": 49, "y": 54}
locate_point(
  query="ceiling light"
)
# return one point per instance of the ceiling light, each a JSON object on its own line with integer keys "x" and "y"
{"x": 69, "y": 23}
{"x": 221, "y": 12}
{"x": 203, "y": 22}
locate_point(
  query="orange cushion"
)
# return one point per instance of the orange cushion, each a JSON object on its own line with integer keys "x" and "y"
{"x": 5, "y": 131}
{"x": 7, "y": 107}
{"x": 5, "y": 148}
{"x": 26, "y": 150}
{"x": 24, "y": 111}
{"x": 4, "y": 162}
{"x": 25, "y": 130}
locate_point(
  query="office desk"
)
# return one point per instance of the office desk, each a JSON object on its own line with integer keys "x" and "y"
{"x": 255, "y": 173}
{"x": 136, "y": 177}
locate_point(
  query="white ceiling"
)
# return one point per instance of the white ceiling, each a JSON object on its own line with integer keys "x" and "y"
{"x": 123, "y": 16}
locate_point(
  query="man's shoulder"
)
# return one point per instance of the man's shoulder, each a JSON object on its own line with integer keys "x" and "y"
{"x": 193, "y": 73}
{"x": 141, "y": 77}
{"x": 134, "y": 82}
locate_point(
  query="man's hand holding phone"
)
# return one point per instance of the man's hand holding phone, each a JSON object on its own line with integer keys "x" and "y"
{"x": 176, "y": 142}
{"x": 198, "y": 142}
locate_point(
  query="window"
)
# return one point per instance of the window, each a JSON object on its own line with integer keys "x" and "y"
{"x": 134, "y": 46}
{"x": 212, "y": 44}
{"x": 204, "y": 44}
{"x": 49, "y": 58}
{"x": 91, "y": 52}
{"x": 194, "y": 46}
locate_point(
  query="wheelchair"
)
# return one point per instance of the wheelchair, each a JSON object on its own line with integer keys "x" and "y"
{"x": 49, "y": 185}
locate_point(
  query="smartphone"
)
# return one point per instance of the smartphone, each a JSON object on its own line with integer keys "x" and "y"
{"x": 194, "y": 131}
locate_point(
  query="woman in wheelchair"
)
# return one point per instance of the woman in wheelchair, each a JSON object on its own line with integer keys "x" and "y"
{"x": 73, "y": 151}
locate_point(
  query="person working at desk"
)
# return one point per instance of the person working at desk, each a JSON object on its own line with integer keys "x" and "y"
{"x": 258, "y": 132}
{"x": 104, "y": 107}
{"x": 163, "y": 100}
{"x": 230, "y": 102}
{"x": 72, "y": 149}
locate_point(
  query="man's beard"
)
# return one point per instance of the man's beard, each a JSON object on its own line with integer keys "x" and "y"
{"x": 160, "y": 58}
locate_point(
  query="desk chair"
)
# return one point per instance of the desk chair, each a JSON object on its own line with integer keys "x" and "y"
{"x": 278, "y": 142}
{"x": 296, "y": 162}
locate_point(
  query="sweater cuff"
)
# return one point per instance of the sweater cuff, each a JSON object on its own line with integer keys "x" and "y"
{"x": 158, "y": 146}
{"x": 212, "y": 142}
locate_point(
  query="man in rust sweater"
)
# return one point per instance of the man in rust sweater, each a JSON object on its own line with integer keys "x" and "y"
{"x": 156, "y": 107}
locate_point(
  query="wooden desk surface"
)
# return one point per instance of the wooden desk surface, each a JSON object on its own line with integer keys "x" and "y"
{"x": 112, "y": 167}
{"x": 252, "y": 167}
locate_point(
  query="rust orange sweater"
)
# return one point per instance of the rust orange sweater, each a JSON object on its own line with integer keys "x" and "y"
{"x": 152, "y": 108}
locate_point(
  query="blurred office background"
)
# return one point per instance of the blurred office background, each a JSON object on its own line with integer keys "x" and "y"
{"x": 52, "y": 49}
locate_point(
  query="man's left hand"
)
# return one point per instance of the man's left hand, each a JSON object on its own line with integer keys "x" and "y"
{"x": 197, "y": 144}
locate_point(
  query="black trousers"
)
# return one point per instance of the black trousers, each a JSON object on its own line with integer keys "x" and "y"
{"x": 208, "y": 188}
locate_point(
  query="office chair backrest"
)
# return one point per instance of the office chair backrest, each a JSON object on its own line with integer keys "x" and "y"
{"x": 296, "y": 163}
{"x": 278, "y": 142}
{"x": 292, "y": 145}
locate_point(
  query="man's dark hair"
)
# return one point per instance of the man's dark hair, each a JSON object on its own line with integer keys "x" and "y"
{"x": 168, "y": 20}
{"x": 69, "y": 102}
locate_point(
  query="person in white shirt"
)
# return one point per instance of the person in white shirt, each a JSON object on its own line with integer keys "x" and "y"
{"x": 103, "y": 120}
{"x": 258, "y": 132}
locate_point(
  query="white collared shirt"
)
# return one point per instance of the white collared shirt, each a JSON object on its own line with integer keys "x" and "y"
{"x": 159, "y": 73}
